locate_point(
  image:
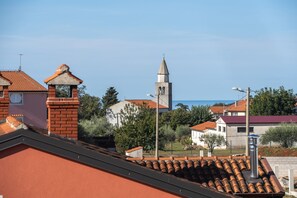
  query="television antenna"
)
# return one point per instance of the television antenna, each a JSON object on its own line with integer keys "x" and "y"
{"x": 20, "y": 67}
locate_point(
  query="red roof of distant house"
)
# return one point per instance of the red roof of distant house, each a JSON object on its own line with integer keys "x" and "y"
{"x": 134, "y": 149}
{"x": 238, "y": 106}
{"x": 205, "y": 125}
{"x": 218, "y": 109}
{"x": 259, "y": 119}
{"x": 149, "y": 103}
{"x": 21, "y": 81}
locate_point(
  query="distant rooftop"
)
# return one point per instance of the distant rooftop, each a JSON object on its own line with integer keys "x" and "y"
{"x": 259, "y": 119}
{"x": 21, "y": 81}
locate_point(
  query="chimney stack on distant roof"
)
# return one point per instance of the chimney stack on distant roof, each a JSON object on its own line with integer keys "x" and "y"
{"x": 63, "y": 103}
{"x": 4, "y": 97}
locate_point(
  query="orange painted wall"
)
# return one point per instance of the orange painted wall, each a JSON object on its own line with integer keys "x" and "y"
{"x": 27, "y": 172}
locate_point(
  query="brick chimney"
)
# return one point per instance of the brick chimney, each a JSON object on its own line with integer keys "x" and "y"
{"x": 62, "y": 103}
{"x": 4, "y": 97}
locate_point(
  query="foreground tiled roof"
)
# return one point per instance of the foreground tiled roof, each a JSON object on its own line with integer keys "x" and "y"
{"x": 148, "y": 103}
{"x": 259, "y": 119}
{"x": 105, "y": 160}
{"x": 205, "y": 125}
{"x": 22, "y": 81}
{"x": 224, "y": 174}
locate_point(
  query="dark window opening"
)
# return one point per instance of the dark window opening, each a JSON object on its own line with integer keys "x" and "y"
{"x": 63, "y": 91}
{"x": 242, "y": 129}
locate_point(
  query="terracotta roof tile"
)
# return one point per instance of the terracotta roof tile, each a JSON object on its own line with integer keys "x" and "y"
{"x": 21, "y": 81}
{"x": 238, "y": 106}
{"x": 149, "y": 103}
{"x": 11, "y": 124}
{"x": 218, "y": 109}
{"x": 134, "y": 149}
{"x": 204, "y": 126}
{"x": 224, "y": 174}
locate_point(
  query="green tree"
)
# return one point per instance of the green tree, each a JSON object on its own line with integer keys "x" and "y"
{"x": 96, "y": 127}
{"x": 213, "y": 140}
{"x": 270, "y": 101}
{"x": 182, "y": 106}
{"x": 181, "y": 131}
{"x": 137, "y": 129}
{"x": 167, "y": 135}
{"x": 110, "y": 98}
{"x": 285, "y": 135}
{"x": 178, "y": 117}
{"x": 199, "y": 114}
{"x": 89, "y": 105}
{"x": 186, "y": 142}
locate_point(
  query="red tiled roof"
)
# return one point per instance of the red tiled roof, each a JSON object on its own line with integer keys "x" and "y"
{"x": 11, "y": 125}
{"x": 259, "y": 119}
{"x": 149, "y": 103}
{"x": 224, "y": 174}
{"x": 134, "y": 149}
{"x": 21, "y": 81}
{"x": 238, "y": 106}
{"x": 5, "y": 79}
{"x": 218, "y": 109}
{"x": 203, "y": 126}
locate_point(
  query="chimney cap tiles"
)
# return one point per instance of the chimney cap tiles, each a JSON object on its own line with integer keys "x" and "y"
{"x": 63, "y": 76}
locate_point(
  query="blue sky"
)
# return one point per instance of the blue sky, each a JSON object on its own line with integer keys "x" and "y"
{"x": 210, "y": 46}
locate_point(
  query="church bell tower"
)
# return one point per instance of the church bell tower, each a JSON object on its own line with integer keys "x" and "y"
{"x": 163, "y": 86}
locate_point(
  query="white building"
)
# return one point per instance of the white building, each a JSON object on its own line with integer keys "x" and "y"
{"x": 205, "y": 128}
{"x": 235, "y": 126}
{"x": 114, "y": 113}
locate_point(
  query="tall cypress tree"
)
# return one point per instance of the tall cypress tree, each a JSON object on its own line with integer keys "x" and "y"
{"x": 110, "y": 98}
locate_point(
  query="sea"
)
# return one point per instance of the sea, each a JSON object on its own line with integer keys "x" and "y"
{"x": 191, "y": 103}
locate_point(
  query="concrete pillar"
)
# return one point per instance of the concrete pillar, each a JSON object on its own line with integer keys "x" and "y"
{"x": 291, "y": 180}
{"x": 201, "y": 153}
{"x": 209, "y": 154}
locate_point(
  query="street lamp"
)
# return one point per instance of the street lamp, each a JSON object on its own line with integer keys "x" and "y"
{"x": 247, "y": 116}
{"x": 157, "y": 122}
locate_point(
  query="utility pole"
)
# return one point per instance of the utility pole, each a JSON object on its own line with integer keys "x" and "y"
{"x": 247, "y": 121}
{"x": 157, "y": 126}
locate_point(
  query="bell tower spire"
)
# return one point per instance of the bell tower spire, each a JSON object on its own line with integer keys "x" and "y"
{"x": 163, "y": 86}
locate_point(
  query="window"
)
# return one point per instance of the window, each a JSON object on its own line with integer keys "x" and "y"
{"x": 16, "y": 98}
{"x": 224, "y": 129}
{"x": 242, "y": 129}
{"x": 234, "y": 113}
{"x": 220, "y": 128}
